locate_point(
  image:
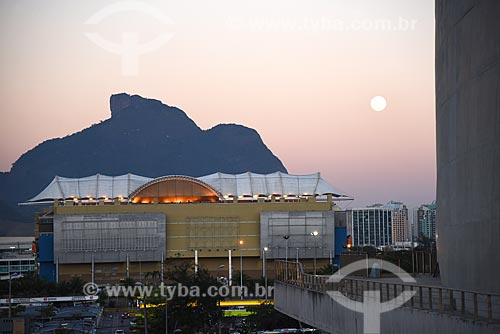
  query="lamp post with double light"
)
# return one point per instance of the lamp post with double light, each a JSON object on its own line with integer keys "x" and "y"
{"x": 286, "y": 237}
{"x": 241, "y": 269}
{"x": 10, "y": 282}
{"x": 315, "y": 234}
{"x": 264, "y": 264}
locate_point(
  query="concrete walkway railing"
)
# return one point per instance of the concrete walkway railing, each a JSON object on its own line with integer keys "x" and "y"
{"x": 465, "y": 304}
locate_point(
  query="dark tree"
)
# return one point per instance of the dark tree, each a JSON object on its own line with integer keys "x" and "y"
{"x": 192, "y": 313}
{"x": 265, "y": 317}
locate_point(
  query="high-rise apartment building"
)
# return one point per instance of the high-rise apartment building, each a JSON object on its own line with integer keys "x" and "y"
{"x": 370, "y": 226}
{"x": 426, "y": 221}
{"x": 413, "y": 224}
{"x": 379, "y": 224}
{"x": 399, "y": 221}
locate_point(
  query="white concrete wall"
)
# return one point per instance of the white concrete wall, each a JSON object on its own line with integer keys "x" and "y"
{"x": 468, "y": 143}
{"x": 91, "y": 228}
{"x": 321, "y": 311}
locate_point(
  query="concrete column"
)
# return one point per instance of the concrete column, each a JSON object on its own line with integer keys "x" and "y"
{"x": 468, "y": 143}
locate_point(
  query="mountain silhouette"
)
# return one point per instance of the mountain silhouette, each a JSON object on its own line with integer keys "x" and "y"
{"x": 144, "y": 137}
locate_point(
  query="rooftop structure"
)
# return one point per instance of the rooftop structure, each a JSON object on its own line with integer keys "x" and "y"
{"x": 215, "y": 186}
{"x": 106, "y": 228}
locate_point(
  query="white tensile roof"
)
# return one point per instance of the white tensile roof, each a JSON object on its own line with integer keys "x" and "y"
{"x": 251, "y": 184}
{"x": 246, "y": 184}
{"x": 95, "y": 186}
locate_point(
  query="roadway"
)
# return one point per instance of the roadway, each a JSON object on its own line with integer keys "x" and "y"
{"x": 112, "y": 321}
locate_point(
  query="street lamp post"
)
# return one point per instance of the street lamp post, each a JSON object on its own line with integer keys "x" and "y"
{"x": 286, "y": 237}
{"x": 315, "y": 236}
{"x": 264, "y": 272}
{"x": 219, "y": 277}
{"x": 220, "y": 280}
{"x": 166, "y": 315}
{"x": 10, "y": 283}
{"x": 230, "y": 268}
{"x": 10, "y": 291}
{"x": 241, "y": 270}
{"x": 166, "y": 298}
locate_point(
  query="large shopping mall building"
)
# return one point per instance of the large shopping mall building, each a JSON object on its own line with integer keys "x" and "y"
{"x": 105, "y": 228}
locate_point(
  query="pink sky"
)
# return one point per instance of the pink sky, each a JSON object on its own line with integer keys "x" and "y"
{"x": 301, "y": 73}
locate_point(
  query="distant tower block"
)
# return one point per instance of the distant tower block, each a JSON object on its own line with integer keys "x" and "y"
{"x": 468, "y": 143}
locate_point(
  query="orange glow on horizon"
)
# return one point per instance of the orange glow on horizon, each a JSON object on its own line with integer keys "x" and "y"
{"x": 305, "y": 89}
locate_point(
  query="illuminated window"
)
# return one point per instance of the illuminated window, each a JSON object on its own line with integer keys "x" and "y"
{"x": 175, "y": 189}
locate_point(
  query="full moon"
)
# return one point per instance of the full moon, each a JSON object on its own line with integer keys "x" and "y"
{"x": 378, "y": 103}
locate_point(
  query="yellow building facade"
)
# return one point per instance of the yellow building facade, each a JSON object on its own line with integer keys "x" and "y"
{"x": 106, "y": 236}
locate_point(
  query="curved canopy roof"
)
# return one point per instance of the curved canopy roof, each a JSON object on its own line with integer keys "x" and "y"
{"x": 172, "y": 189}
{"x": 95, "y": 186}
{"x": 246, "y": 184}
{"x": 252, "y": 184}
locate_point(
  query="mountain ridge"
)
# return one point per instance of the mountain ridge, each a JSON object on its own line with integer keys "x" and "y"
{"x": 145, "y": 137}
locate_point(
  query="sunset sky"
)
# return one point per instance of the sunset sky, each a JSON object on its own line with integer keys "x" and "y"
{"x": 302, "y": 73}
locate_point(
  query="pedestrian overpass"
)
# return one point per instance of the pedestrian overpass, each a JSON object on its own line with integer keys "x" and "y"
{"x": 432, "y": 309}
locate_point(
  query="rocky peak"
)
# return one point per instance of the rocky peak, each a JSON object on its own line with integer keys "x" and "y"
{"x": 119, "y": 102}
